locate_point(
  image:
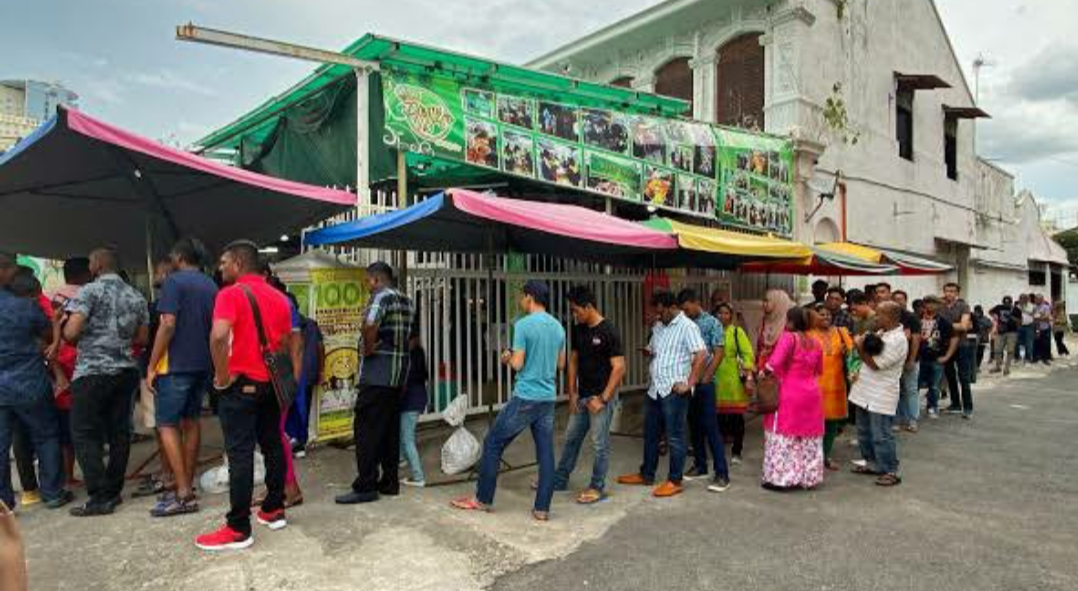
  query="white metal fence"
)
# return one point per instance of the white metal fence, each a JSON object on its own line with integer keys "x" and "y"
{"x": 466, "y": 310}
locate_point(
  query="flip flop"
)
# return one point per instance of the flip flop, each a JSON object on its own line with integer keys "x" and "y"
{"x": 888, "y": 480}
{"x": 864, "y": 471}
{"x": 541, "y": 515}
{"x": 590, "y": 497}
{"x": 469, "y": 504}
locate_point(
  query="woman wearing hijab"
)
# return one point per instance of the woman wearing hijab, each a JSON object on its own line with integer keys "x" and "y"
{"x": 793, "y": 434}
{"x": 736, "y": 369}
{"x": 837, "y": 344}
{"x": 776, "y": 304}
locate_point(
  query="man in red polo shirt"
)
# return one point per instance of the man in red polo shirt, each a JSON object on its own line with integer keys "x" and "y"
{"x": 248, "y": 408}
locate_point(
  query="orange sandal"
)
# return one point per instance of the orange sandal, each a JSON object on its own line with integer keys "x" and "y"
{"x": 469, "y": 504}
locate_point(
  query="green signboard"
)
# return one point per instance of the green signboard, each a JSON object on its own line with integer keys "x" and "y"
{"x": 687, "y": 166}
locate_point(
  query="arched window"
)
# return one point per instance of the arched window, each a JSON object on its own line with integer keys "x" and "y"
{"x": 623, "y": 81}
{"x": 675, "y": 79}
{"x": 739, "y": 83}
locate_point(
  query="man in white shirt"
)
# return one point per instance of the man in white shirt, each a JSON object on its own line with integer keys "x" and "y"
{"x": 678, "y": 355}
{"x": 875, "y": 395}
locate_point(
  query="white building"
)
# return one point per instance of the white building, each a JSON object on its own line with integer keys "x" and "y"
{"x": 25, "y": 104}
{"x": 882, "y": 114}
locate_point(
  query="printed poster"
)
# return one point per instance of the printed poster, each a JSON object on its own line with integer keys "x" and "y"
{"x": 337, "y": 298}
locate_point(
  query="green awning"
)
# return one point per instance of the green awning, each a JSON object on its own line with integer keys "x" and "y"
{"x": 413, "y": 57}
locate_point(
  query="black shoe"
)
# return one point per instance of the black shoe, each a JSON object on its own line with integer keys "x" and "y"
{"x": 695, "y": 473}
{"x": 65, "y": 497}
{"x": 719, "y": 484}
{"x": 355, "y": 498}
{"x": 93, "y": 509}
{"x": 389, "y": 492}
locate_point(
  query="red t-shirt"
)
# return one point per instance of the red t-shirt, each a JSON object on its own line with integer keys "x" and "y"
{"x": 245, "y": 357}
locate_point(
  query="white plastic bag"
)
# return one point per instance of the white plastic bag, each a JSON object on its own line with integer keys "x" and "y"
{"x": 456, "y": 411}
{"x": 215, "y": 480}
{"x": 460, "y": 452}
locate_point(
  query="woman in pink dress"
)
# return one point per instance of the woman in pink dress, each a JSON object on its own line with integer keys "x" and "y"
{"x": 793, "y": 434}
{"x": 775, "y": 306}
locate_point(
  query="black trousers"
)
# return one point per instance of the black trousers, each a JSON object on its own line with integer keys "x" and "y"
{"x": 377, "y": 430}
{"x": 250, "y": 415}
{"x": 1061, "y": 347}
{"x": 23, "y": 450}
{"x": 100, "y": 416}
{"x": 733, "y": 427}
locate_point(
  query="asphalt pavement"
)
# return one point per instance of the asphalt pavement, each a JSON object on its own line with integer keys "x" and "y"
{"x": 987, "y": 504}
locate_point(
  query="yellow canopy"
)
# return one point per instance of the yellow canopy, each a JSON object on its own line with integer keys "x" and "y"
{"x": 701, "y": 238}
{"x": 856, "y": 251}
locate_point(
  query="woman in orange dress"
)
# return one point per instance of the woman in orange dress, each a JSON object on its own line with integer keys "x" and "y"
{"x": 836, "y": 344}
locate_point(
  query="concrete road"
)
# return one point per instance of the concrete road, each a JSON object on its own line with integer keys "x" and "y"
{"x": 988, "y": 504}
{"x": 985, "y": 505}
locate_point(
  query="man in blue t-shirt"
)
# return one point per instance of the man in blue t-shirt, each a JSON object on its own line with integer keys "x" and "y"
{"x": 179, "y": 369}
{"x": 537, "y": 355}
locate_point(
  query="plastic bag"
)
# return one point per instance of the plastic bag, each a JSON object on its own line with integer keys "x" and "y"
{"x": 215, "y": 480}
{"x": 456, "y": 411}
{"x": 460, "y": 452}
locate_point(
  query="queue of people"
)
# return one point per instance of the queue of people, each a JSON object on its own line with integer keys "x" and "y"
{"x": 857, "y": 358}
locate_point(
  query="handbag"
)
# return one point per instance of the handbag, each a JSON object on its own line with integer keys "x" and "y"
{"x": 278, "y": 363}
{"x": 767, "y": 394}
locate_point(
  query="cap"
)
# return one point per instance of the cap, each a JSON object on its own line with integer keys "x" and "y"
{"x": 538, "y": 290}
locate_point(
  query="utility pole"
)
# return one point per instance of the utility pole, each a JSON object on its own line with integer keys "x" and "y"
{"x": 979, "y": 63}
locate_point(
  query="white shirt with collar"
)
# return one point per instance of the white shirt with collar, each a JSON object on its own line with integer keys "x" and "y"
{"x": 877, "y": 390}
{"x": 673, "y": 347}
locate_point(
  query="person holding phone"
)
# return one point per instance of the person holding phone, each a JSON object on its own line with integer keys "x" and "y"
{"x": 596, "y": 368}
{"x": 678, "y": 358}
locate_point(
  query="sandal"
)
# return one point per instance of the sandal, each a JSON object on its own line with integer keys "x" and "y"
{"x": 469, "y": 504}
{"x": 151, "y": 487}
{"x": 541, "y": 515}
{"x": 888, "y": 480}
{"x": 173, "y": 505}
{"x": 831, "y": 465}
{"x": 864, "y": 471}
{"x": 590, "y": 497}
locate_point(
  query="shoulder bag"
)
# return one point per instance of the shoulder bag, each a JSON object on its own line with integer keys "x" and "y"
{"x": 278, "y": 363}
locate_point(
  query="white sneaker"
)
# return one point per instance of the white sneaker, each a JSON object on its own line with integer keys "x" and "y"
{"x": 736, "y": 460}
{"x": 933, "y": 414}
{"x": 414, "y": 483}
{"x": 860, "y": 463}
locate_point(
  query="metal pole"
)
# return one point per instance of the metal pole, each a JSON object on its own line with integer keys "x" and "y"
{"x": 402, "y": 202}
{"x": 149, "y": 254}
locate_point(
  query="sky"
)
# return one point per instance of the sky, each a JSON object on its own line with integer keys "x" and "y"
{"x": 121, "y": 57}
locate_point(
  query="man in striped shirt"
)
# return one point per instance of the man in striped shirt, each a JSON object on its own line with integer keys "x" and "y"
{"x": 387, "y": 324}
{"x": 678, "y": 355}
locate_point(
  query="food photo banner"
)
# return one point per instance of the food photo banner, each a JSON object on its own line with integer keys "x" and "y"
{"x": 740, "y": 178}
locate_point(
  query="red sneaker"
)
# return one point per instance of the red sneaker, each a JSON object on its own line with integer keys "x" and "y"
{"x": 273, "y": 519}
{"x": 225, "y": 538}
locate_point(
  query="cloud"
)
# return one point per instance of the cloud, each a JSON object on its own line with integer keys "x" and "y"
{"x": 168, "y": 80}
{"x": 1027, "y": 131}
{"x": 103, "y": 89}
{"x": 1051, "y": 74}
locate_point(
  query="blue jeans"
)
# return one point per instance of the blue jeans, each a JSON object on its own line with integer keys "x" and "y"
{"x": 40, "y": 420}
{"x": 408, "y": 448}
{"x": 669, "y": 413}
{"x": 580, "y": 423}
{"x": 909, "y": 401}
{"x": 1025, "y": 343}
{"x": 518, "y": 415}
{"x": 931, "y": 374}
{"x": 704, "y": 431}
{"x": 876, "y": 440}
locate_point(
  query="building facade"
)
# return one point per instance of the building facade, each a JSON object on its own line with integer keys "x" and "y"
{"x": 25, "y": 104}
{"x": 881, "y": 113}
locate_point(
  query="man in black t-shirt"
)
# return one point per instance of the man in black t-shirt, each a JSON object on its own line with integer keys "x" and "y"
{"x": 596, "y": 368}
{"x": 939, "y": 343}
{"x": 1007, "y": 318}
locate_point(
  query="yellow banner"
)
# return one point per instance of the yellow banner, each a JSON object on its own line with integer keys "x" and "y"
{"x": 336, "y": 301}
